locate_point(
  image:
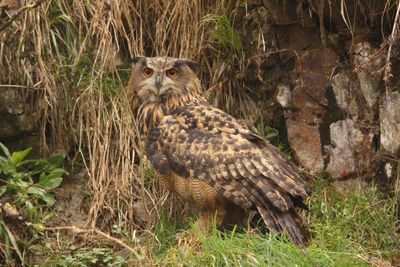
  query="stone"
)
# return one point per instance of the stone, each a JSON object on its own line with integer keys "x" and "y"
{"x": 389, "y": 170}
{"x": 389, "y": 118}
{"x": 345, "y": 138}
{"x": 296, "y": 37}
{"x": 284, "y": 96}
{"x": 317, "y": 61}
{"x": 368, "y": 61}
{"x": 309, "y": 103}
{"x": 20, "y": 112}
{"x": 345, "y": 90}
{"x": 289, "y": 13}
{"x": 367, "y": 150}
{"x": 305, "y": 143}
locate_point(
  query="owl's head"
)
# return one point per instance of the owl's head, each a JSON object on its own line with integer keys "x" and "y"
{"x": 161, "y": 79}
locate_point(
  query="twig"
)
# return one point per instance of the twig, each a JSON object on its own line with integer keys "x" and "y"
{"x": 77, "y": 230}
{"x": 392, "y": 39}
{"x": 20, "y": 11}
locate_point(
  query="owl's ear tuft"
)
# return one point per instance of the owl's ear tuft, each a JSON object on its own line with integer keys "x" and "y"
{"x": 135, "y": 60}
{"x": 190, "y": 63}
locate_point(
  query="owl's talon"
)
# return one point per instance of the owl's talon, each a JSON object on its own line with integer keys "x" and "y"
{"x": 187, "y": 241}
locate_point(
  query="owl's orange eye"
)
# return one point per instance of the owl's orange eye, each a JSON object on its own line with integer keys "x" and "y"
{"x": 172, "y": 73}
{"x": 147, "y": 72}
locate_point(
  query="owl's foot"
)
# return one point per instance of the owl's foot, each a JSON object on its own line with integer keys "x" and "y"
{"x": 189, "y": 240}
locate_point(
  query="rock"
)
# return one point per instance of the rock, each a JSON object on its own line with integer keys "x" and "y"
{"x": 296, "y": 37}
{"x": 9, "y": 211}
{"x": 345, "y": 93}
{"x": 367, "y": 63}
{"x": 309, "y": 96}
{"x": 389, "y": 117}
{"x": 345, "y": 138}
{"x": 289, "y": 13}
{"x": 366, "y": 151}
{"x": 309, "y": 103}
{"x": 284, "y": 96}
{"x": 388, "y": 169}
{"x": 317, "y": 61}
{"x": 305, "y": 143}
{"x": 20, "y": 112}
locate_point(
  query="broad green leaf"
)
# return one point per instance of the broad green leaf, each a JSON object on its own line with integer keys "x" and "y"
{"x": 51, "y": 183}
{"x": 49, "y": 199}
{"x": 34, "y": 190}
{"x": 56, "y": 160}
{"x": 56, "y": 173}
{"x": 29, "y": 205}
{"x": 18, "y": 156}
{"x": 20, "y": 183}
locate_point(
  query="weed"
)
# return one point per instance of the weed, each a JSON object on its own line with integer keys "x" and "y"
{"x": 267, "y": 131}
{"x": 224, "y": 32}
{"x": 84, "y": 257}
{"x": 25, "y": 188}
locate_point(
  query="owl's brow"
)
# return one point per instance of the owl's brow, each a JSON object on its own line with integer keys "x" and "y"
{"x": 138, "y": 60}
{"x": 189, "y": 63}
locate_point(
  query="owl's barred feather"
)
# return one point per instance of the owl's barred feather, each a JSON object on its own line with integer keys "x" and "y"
{"x": 207, "y": 156}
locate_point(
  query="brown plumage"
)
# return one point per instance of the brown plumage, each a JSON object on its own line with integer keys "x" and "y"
{"x": 206, "y": 156}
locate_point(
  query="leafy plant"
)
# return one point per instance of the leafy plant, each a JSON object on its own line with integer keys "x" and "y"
{"x": 25, "y": 187}
{"x": 84, "y": 257}
{"x": 29, "y": 182}
{"x": 267, "y": 131}
{"x": 224, "y": 32}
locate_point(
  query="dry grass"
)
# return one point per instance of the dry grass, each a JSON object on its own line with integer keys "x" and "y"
{"x": 72, "y": 54}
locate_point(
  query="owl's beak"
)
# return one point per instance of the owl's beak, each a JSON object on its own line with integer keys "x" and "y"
{"x": 158, "y": 82}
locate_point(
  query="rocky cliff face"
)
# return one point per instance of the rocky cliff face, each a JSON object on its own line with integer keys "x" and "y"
{"x": 325, "y": 79}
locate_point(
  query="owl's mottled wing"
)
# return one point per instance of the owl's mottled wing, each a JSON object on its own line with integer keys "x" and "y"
{"x": 205, "y": 143}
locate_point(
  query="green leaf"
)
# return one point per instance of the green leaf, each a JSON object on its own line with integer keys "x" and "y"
{"x": 18, "y": 156}
{"x": 51, "y": 183}
{"x": 5, "y": 150}
{"x": 34, "y": 190}
{"x": 29, "y": 205}
{"x": 19, "y": 182}
{"x": 56, "y": 173}
{"x": 56, "y": 160}
{"x": 3, "y": 189}
{"x": 49, "y": 199}
{"x": 51, "y": 180}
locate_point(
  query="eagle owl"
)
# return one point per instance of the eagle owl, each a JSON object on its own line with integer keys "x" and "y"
{"x": 208, "y": 157}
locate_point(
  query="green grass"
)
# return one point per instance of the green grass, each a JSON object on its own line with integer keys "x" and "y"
{"x": 224, "y": 32}
{"x": 347, "y": 228}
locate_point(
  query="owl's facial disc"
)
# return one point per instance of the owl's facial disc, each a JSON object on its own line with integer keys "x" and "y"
{"x": 159, "y": 83}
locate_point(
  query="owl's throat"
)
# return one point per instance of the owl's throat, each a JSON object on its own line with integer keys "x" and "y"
{"x": 152, "y": 113}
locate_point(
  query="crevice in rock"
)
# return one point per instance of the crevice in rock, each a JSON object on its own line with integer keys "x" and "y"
{"x": 333, "y": 114}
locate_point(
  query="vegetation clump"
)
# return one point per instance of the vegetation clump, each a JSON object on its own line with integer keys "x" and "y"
{"x": 26, "y": 193}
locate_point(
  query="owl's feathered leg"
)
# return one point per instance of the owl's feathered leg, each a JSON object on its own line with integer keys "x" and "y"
{"x": 188, "y": 240}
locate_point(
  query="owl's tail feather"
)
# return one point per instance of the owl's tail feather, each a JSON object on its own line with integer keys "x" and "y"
{"x": 288, "y": 223}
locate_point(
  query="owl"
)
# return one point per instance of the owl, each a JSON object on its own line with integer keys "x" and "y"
{"x": 206, "y": 156}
